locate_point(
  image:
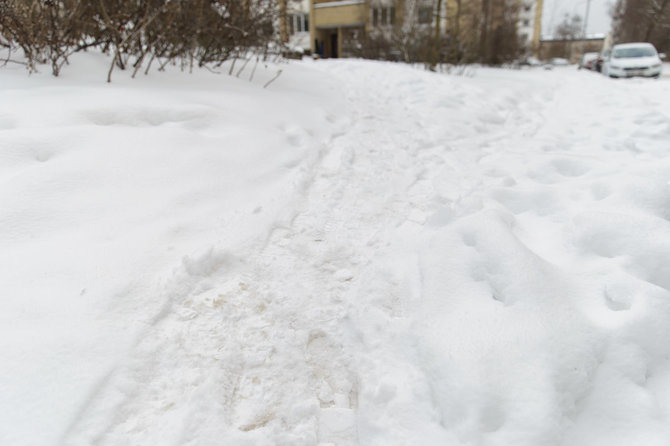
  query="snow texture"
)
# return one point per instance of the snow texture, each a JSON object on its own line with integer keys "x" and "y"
{"x": 360, "y": 254}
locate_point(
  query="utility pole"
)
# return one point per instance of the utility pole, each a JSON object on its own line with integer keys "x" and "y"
{"x": 586, "y": 16}
{"x": 586, "y": 24}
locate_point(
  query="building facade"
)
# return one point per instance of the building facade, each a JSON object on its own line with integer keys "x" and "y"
{"x": 571, "y": 49}
{"x": 333, "y": 28}
{"x": 297, "y": 24}
{"x": 529, "y": 25}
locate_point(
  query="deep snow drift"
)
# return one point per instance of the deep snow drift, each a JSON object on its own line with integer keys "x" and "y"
{"x": 360, "y": 254}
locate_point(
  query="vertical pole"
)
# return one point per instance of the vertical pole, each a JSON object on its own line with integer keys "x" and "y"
{"x": 586, "y": 16}
{"x": 435, "y": 57}
{"x": 484, "y": 32}
{"x": 312, "y": 28}
{"x": 586, "y": 24}
{"x": 340, "y": 35}
{"x": 537, "y": 29}
{"x": 283, "y": 21}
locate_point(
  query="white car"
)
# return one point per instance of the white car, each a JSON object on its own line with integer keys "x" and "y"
{"x": 587, "y": 61}
{"x": 633, "y": 59}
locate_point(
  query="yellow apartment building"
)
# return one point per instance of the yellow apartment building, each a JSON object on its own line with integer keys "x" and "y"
{"x": 331, "y": 28}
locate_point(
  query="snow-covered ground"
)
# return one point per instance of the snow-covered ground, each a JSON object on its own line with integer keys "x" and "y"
{"x": 361, "y": 254}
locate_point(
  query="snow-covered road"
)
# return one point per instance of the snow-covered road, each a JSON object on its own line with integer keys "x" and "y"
{"x": 362, "y": 254}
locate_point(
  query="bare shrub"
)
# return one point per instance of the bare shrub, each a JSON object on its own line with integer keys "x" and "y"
{"x": 138, "y": 32}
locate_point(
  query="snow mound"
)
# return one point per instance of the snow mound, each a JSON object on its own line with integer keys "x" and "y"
{"x": 362, "y": 253}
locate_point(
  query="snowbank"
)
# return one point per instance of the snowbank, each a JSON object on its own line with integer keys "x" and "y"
{"x": 361, "y": 254}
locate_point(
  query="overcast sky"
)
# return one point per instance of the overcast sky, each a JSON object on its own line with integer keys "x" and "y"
{"x": 554, "y": 10}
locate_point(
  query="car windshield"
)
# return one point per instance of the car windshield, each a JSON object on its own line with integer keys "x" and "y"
{"x": 621, "y": 53}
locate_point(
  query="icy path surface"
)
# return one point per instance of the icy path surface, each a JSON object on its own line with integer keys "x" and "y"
{"x": 444, "y": 261}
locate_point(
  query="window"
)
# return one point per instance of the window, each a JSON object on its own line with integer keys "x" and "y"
{"x": 298, "y": 23}
{"x": 425, "y": 14}
{"x": 382, "y": 16}
{"x": 637, "y": 51}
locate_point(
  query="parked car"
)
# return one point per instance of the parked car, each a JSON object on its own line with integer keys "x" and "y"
{"x": 587, "y": 61}
{"x": 559, "y": 62}
{"x": 633, "y": 59}
{"x": 600, "y": 61}
{"x": 530, "y": 62}
{"x": 556, "y": 62}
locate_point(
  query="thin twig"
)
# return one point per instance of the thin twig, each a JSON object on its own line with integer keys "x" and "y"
{"x": 251, "y": 78}
{"x": 273, "y": 79}
{"x": 153, "y": 56}
{"x": 211, "y": 70}
{"x": 14, "y": 61}
{"x": 246, "y": 61}
{"x": 138, "y": 64}
{"x": 130, "y": 36}
{"x": 164, "y": 64}
{"x": 232, "y": 66}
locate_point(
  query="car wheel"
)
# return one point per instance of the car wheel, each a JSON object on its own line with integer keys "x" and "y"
{"x": 614, "y": 77}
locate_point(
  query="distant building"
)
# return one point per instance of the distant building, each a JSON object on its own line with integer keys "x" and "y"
{"x": 333, "y": 28}
{"x": 571, "y": 49}
{"x": 529, "y": 25}
{"x": 297, "y": 24}
{"x": 335, "y": 25}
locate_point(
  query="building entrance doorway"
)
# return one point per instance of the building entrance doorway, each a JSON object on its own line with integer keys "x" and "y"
{"x": 327, "y": 42}
{"x": 334, "y": 50}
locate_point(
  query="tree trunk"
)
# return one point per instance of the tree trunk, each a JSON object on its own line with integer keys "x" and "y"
{"x": 484, "y": 37}
{"x": 457, "y": 22}
{"x": 435, "y": 57}
{"x": 283, "y": 21}
{"x": 653, "y": 20}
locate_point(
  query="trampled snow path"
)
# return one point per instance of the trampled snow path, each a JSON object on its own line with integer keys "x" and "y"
{"x": 466, "y": 261}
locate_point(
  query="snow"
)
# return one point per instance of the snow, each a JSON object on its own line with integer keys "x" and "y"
{"x": 360, "y": 254}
